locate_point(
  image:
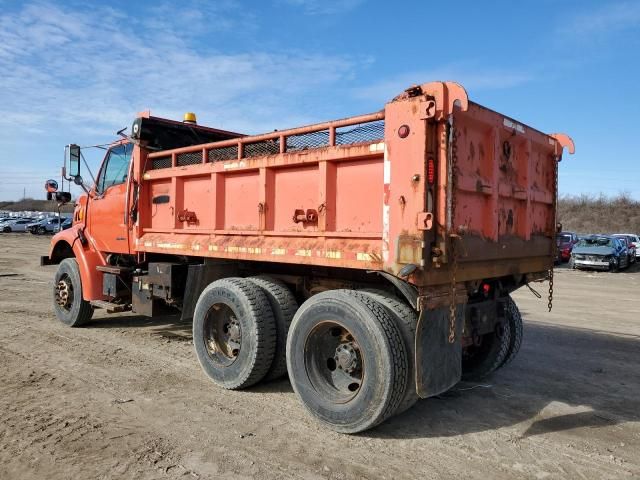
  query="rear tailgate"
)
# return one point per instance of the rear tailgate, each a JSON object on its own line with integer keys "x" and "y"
{"x": 505, "y": 187}
{"x": 498, "y": 203}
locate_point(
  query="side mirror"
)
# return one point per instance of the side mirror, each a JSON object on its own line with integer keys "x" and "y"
{"x": 63, "y": 197}
{"x": 74, "y": 160}
{"x": 60, "y": 197}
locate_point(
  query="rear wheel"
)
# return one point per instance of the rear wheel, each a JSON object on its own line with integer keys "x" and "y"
{"x": 483, "y": 358}
{"x": 347, "y": 361}
{"x": 41, "y": 230}
{"x": 407, "y": 321}
{"x": 284, "y": 306}
{"x": 516, "y": 330}
{"x": 71, "y": 309}
{"x": 234, "y": 333}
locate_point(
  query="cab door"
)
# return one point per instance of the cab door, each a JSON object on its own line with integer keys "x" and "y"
{"x": 106, "y": 209}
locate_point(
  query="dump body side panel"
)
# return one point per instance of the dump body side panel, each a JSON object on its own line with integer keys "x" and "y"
{"x": 320, "y": 206}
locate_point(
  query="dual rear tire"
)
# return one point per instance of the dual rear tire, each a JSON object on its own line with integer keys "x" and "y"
{"x": 495, "y": 349}
{"x": 347, "y": 354}
{"x": 347, "y": 360}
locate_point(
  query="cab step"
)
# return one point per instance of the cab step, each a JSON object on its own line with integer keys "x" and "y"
{"x": 113, "y": 269}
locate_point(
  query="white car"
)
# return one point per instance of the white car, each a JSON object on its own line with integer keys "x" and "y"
{"x": 19, "y": 225}
{"x": 635, "y": 239}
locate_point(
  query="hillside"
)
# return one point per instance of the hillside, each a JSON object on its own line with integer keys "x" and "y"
{"x": 32, "y": 205}
{"x": 591, "y": 214}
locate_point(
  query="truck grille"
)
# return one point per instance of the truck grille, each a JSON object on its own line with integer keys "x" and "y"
{"x": 223, "y": 153}
{"x": 364, "y": 132}
{"x": 259, "y": 149}
{"x": 353, "y": 134}
{"x": 162, "y": 162}
{"x": 191, "y": 158}
{"x": 308, "y": 140}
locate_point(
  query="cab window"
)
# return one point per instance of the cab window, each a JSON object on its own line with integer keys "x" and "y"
{"x": 116, "y": 167}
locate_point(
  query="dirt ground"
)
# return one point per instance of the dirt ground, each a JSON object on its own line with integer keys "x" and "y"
{"x": 125, "y": 398}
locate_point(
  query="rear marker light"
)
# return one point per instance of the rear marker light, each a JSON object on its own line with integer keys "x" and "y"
{"x": 403, "y": 131}
{"x": 431, "y": 170}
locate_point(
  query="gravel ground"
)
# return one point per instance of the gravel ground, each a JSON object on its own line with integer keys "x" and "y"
{"x": 125, "y": 398}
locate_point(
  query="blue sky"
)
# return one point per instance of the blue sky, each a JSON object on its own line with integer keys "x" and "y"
{"x": 74, "y": 72}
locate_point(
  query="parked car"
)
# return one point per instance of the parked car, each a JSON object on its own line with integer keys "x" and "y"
{"x": 565, "y": 242}
{"x": 49, "y": 225}
{"x": 600, "y": 252}
{"x": 18, "y": 225}
{"x": 633, "y": 244}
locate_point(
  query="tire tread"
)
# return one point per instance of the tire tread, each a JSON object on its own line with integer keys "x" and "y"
{"x": 407, "y": 320}
{"x": 280, "y": 298}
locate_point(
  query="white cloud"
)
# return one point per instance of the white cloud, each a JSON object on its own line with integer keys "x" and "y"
{"x": 93, "y": 69}
{"x": 609, "y": 18}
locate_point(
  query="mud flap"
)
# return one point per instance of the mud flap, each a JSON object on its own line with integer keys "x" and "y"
{"x": 438, "y": 362}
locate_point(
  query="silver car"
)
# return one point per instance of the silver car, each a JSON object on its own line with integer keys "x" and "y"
{"x": 19, "y": 225}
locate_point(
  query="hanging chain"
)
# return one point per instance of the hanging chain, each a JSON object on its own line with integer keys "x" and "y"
{"x": 452, "y": 236}
{"x": 550, "y": 303}
{"x": 553, "y": 242}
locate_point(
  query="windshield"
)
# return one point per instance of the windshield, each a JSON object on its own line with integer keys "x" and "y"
{"x": 563, "y": 238}
{"x": 116, "y": 167}
{"x": 596, "y": 242}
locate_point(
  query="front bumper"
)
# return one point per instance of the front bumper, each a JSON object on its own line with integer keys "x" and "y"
{"x": 598, "y": 264}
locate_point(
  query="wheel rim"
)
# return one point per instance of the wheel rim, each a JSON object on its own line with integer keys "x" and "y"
{"x": 482, "y": 344}
{"x": 64, "y": 292}
{"x": 222, "y": 334}
{"x": 334, "y": 362}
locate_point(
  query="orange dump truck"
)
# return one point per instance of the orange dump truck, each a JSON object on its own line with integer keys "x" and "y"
{"x": 370, "y": 258}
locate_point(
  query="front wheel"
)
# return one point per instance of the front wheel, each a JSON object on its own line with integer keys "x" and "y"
{"x": 347, "y": 361}
{"x": 614, "y": 266}
{"x": 71, "y": 309}
{"x": 41, "y": 230}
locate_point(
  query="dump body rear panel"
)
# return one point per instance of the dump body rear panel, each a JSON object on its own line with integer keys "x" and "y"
{"x": 376, "y": 192}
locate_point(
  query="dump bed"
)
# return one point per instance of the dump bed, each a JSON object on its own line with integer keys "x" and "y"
{"x": 430, "y": 182}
